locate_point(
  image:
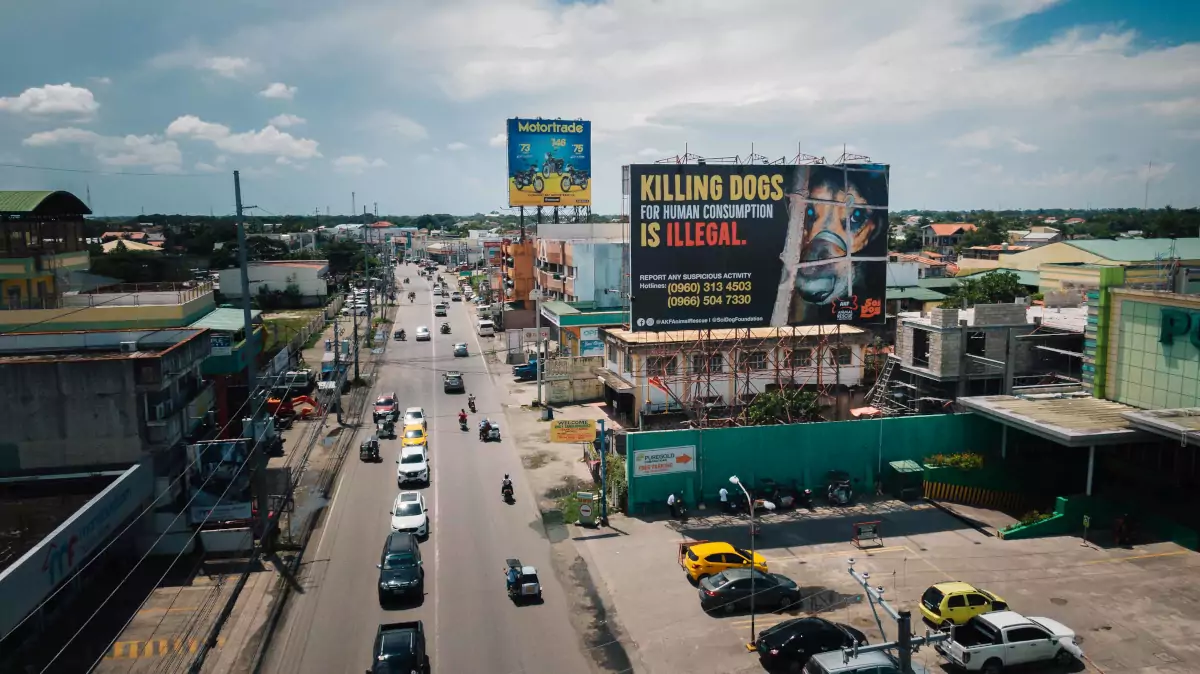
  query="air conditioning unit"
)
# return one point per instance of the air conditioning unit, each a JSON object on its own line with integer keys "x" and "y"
{"x": 129, "y": 347}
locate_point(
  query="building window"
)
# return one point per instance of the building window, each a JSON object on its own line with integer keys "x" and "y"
{"x": 657, "y": 366}
{"x": 977, "y": 343}
{"x": 707, "y": 362}
{"x": 801, "y": 357}
{"x": 628, "y": 361}
{"x": 840, "y": 356}
{"x": 753, "y": 360}
{"x": 612, "y": 353}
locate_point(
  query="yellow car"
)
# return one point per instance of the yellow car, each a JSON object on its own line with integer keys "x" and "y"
{"x": 414, "y": 434}
{"x": 706, "y": 559}
{"x": 955, "y": 603}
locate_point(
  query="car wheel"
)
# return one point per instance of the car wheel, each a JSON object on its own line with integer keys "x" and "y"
{"x": 730, "y": 607}
{"x": 1064, "y": 659}
{"x": 701, "y": 577}
{"x": 945, "y": 624}
{"x": 992, "y": 667}
{"x": 786, "y": 601}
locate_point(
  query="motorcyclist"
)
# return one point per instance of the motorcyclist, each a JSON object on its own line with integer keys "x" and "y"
{"x": 506, "y": 485}
{"x": 402, "y": 334}
{"x": 446, "y": 328}
{"x": 485, "y": 427}
{"x": 511, "y": 578}
{"x": 471, "y": 401}
{"x": 462, "y": 417}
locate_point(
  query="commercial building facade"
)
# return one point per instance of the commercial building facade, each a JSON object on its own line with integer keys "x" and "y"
{"x": 305, "y": 278}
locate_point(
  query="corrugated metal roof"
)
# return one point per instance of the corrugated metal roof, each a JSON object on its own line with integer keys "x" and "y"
{"x": 42, "y": 202}
{"x": 1025, "y": 278}
{"x": 915, "y": 293}
{"x": 1139, "y": 250}
{"x": 938, "y": 282}
{"x": 225, "y": 320}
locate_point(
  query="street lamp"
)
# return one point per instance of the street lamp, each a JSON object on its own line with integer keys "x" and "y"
{"x": 750, "y": 506}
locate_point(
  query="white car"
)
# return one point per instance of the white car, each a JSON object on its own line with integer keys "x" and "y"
{"x": 412, "y": 466}
{"x": 423, "y": 333}
{"x": 415, "y": 415}
{"x": 410, "y": 514}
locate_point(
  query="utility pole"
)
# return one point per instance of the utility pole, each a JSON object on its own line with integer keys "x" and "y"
{"x": 353, "y": 204}
{"x": 905, "y": 644}
{"x": 603, "y": 475}
{"x": 537, "y": 308}
{"x": 337, "y": 369}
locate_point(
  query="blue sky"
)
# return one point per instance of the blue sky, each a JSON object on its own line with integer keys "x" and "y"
{"x": 974, "y": 103}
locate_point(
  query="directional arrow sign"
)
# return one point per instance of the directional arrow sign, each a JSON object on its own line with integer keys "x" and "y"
{"x": 664, "y": 461}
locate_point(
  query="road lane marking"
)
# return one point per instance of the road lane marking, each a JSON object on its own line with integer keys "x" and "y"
{"x": 154, "y": 648}
{"x": 1147, "y": 556}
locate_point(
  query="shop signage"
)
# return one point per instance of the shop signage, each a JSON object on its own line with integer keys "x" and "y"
{"x": 573, "y": 430}
{"x": 221, "y": 343}
{"x": 1179, "y": 324}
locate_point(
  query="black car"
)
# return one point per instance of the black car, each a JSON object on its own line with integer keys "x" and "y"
{"x": 400, "y": 572}
{"x": 731, "y": 590}
{"x": 791, "y": 643}
{"x": 452, "y": 382}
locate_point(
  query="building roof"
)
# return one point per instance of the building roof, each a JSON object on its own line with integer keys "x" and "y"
{"x": 950, "y": 228}
{"x": 110, "y": 246}
{"x": 669, "y": 336}
{"x": 1001, "y": 247}
{"x": 305, "y": 264}
{"x": 937, "y": 283}
{"x": 1067, "y": 319}
{"x": 1139, "y": 250}
{"x": 1074, "y": 221}
{"x": 1025, "y": 278}
{"x": 919, "y": 259}
{"x": 42, "y": 202}
{"x": 915, "y": 293}
{"x": 1182, "y": 424}
{"x": 1075, "y": 421}
{"x": 226, "y": 320}
{"x": 1040, "y": 236}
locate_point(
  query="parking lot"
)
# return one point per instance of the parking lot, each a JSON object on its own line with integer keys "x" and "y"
{"x": 1134, "y": 609}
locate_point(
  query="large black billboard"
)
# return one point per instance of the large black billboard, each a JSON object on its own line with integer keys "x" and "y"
{"x": 729, "y": 246}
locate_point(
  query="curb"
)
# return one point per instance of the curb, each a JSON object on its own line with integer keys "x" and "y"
{"x": 986, "y": 531}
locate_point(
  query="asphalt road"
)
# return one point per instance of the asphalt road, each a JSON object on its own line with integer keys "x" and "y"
{"x": 471, "y": 624}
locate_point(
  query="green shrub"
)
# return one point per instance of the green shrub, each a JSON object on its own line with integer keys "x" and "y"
{"x": 962, "y": 461}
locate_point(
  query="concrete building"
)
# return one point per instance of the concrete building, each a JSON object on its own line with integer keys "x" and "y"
{"x": 101, "y": 400}
{"x": 307, "y": 277}
{"x": 1036, "y": 239}
{"x": 591, "y": 272}
{"x": 1120, "y": 252}
{"x": 650, "y": 375}
{"x": 41, "y": 245}
{"x": 927, "y": 267}
{"x": 944, "y": 236}
{"x": 944, "y": 354}
{"x": 517, "y": 271}
{"x": 985, "y": 257}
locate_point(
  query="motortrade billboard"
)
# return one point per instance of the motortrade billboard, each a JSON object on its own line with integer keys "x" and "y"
{"x": 549, "y": 162}
{"x": 745, "y": 246}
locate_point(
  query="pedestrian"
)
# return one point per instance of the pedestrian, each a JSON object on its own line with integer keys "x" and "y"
{"x": 723, "y": 493}
{"x": 671, "y": 505}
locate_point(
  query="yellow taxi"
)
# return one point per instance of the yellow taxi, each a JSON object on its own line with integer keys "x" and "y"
{"x": 708, "y": 558}
{"x": 954, "y": 603}
{"x": 414, "y": 434}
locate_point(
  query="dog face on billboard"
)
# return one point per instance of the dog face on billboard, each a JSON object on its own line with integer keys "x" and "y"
{"x": 837, "y": 225}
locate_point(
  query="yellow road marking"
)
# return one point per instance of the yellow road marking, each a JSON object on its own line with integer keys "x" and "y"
{"x": 1149, "y": 556}
{"x": 154, "y": 648}
{"x": 167, "y": 610}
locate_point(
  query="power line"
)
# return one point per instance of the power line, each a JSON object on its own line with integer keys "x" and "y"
{"x": 110, "y": 173}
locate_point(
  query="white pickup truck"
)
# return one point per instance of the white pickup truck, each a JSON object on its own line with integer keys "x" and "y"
{"x": 992, "y": 641}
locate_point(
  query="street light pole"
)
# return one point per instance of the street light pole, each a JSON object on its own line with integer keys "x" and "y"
{"x": 750, "y": 506}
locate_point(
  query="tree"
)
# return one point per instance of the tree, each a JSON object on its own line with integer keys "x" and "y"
{"x": 344, "y": 256}
{"x": 132, "y": 266}
{"x": 784, "y": 406}
{"x": 994, "y": 287}
{"x": 258, "y": 248}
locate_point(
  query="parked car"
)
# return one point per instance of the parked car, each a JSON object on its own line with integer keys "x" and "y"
{"x": 423, "y": 333}
{"x": 954, "y": 603}
{"x": 412, "y": 466}
{"x": 460, "y": 350}
{"x": 863, "y": 663}
{"x": 731, "y": 590}
{"x": 993, "y": 641}
{"x": 789, "y": 644}
{"x": 707, "y": 558}
{"x": 400, "y": 572}
{"x": 410, "y": 514}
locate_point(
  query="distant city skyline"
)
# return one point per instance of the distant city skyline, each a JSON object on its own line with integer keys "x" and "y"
{"x": 980, "y": 104}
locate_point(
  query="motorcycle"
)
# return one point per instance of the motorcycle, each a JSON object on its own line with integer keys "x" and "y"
{"x": 471, "y": 404}
{"x": 551, "y": 165}
{"x": 840, "y": 492}
{"x": 574, "y": 177}
{"x": 403, "y": 336}
{"x": 445, "y": 328}
{"x": 529, "y": 178}
{"x": 462, "y": 423}
{"x": 506, "y": 492}
{"x": 406, "y": 280}
{"x": 805, "y": 498}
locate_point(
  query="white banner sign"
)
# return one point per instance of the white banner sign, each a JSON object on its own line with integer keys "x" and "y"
{"x": 664, "y": 461}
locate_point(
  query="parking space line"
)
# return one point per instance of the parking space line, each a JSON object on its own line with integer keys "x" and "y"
{"x": 847, "y": 554}
{"x": 154, "y": 648}
{"x": 1110, "y": 560}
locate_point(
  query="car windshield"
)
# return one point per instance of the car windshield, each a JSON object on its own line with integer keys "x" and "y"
{"x": 411, "y": 458}
{"x": 385, "y": 401}
{"x": 408, "y": 509}
{"x": 414, "y": 433}
{"x": 399, "y": 561}
{"x": 744, "y": 553}
{"x": 415, "y": 415}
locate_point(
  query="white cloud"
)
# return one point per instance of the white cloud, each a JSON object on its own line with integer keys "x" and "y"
{"x": 278, "y": 90}
{"x": 498, "y": 140}
{"x": 267, "y": 141}
{"x": 122, "y": 151}
{"x": 102, "y": 80}
{"x": 205, "y": 167}
{"x": 52, "y": 99}
{"x": 1022, "y": 147}
{"x": 456, "y": 146}
{"x": 286, "y": 120}
{"x": 652, "y": 153}
{"x": 355, "y": 163}
{"x": 396, "y": 125}
{"x": 227, "y": 66}
{"x": 1176, "y": 108}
